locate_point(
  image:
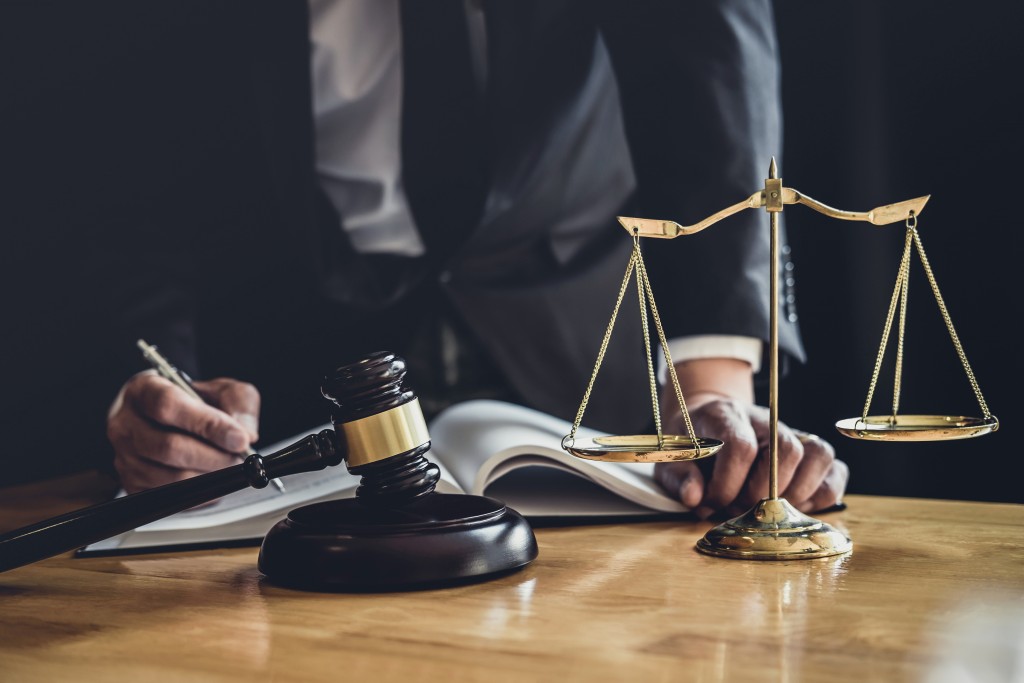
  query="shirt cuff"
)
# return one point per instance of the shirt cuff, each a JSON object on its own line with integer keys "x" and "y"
{"x": 748, "y": 349}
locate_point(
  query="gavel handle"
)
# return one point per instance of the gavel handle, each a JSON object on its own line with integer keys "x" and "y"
{"x": 89, "y": 525}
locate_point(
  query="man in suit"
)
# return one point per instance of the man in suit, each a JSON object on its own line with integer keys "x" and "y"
{"x": 442, "y": 179}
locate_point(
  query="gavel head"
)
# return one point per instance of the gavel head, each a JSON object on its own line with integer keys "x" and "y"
{"x": 381, "y": 429}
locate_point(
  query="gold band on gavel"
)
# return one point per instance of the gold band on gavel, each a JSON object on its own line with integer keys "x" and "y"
{"x": 380, "y": 436}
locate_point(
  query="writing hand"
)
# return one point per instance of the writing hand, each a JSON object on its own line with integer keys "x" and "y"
{"x": 160, "y": 434}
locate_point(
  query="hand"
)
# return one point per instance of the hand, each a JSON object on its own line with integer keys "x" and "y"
{"x": 810, "y": 477}
{"x": 719, "y": 394}
{"x": 161, "y": 434}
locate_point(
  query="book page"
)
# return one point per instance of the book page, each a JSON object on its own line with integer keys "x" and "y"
{"x": 543, "y": 491}
{"x": 483, "y": 442}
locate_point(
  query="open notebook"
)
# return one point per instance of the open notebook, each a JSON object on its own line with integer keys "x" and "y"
{"x": 491, "y": 448}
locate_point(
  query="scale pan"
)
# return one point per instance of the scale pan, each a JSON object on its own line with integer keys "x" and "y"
{"x": 916, "y": 427}
{"x": 643, "y": 448}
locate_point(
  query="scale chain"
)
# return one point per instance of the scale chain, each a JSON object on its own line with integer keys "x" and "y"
{"x": 948, "y": 320}
{"x": 900, "y": 335}
{"x": 913, "y": 239}
{"x": 668, "y": 359}
{"x": 647, "y": 338}
{"x": 904, "y": 269}
{"x": 645, "y": 294}
{"x": 603, "y": 349}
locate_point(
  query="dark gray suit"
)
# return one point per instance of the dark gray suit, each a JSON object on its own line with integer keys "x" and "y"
{"x": 688, "y": 128}
{"x": 194, "y": 219}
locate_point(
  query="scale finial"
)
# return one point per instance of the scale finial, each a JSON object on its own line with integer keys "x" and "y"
{"x": 773, "y": 169}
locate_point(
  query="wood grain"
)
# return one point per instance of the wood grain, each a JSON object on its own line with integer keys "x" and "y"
{"x": 601, "y": 603}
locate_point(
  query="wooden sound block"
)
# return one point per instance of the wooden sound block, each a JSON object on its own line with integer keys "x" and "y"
{"x": 436, "y": 540}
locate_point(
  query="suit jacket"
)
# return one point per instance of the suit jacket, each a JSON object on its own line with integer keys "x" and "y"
{"x": 167, "y": 191}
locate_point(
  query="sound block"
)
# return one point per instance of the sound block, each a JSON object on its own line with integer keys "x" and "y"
{"x": 438, "y": 539}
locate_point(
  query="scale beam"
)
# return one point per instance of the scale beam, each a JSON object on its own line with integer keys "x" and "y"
{"x": 880, "y": 215}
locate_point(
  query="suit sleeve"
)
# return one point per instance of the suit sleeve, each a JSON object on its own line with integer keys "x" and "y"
{"x": 700, "y": 91}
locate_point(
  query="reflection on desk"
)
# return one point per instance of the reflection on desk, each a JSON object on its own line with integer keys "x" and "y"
{"x": 601, "y": 603}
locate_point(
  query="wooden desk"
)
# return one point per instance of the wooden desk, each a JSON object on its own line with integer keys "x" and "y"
{"x": 601, "y": 603}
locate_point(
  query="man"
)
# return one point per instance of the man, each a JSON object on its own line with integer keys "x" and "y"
{"x": 456, "y": 178}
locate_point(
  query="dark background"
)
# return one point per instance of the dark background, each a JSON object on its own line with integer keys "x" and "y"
{"x": 884, "y": 102}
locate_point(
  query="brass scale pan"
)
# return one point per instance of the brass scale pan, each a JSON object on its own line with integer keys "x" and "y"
{"x": 916, "y": 427}
{"x": 642, "y": 448}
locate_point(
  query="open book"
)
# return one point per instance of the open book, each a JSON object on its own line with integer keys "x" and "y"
{"x": 490, "y": 448}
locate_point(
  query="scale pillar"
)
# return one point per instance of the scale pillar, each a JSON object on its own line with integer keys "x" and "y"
{"x": 773, "y": 529}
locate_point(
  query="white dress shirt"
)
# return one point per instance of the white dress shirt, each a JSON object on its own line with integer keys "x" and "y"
{"x": 356, "y": 65}
{"x": 357, "y": 105}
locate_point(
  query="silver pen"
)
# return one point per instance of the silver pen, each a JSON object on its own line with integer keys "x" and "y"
{"x": 183, "y": 382}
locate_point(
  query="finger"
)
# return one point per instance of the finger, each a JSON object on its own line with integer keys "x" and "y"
{"x": 240, "y": 400}
{"x": 138, "y": 474}
{"x": 816, "y": 464}
{"x": 160, "y": 401}
{"x": 725, "y": 420}
{"x": 682, "y": 480}
{"x": 140, "y": 439}
{"x": 831, "y": 489}
{"x": 791, "y": 453}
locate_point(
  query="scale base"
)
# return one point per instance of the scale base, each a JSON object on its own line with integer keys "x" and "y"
{"x": 440, "y": 539}
{"x": 774, "y": 530}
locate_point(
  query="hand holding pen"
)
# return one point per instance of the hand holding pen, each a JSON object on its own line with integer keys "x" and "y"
{"x": 161, "y": 433}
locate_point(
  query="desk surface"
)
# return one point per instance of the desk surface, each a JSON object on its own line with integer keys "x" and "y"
{"x": 928, "y": 582}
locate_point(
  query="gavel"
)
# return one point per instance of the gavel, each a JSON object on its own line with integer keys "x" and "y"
{"x": 397, "y": 533}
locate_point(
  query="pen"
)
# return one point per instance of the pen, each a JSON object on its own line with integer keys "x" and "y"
{"x": 183, "y": 382}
